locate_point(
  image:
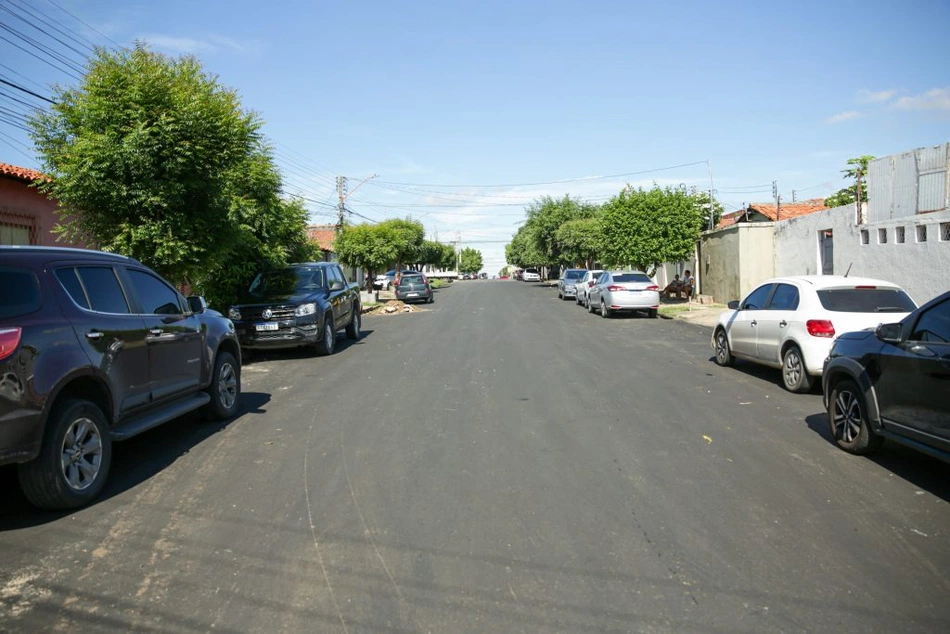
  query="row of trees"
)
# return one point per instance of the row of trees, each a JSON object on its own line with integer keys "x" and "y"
{"x": 152, "y": 158}
{"x": 637, "y": 227}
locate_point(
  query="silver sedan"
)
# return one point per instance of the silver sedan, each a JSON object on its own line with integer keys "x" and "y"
{"x": 616, "y": 291}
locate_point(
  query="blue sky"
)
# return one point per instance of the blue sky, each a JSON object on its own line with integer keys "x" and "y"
{"x": 468, "y": 111}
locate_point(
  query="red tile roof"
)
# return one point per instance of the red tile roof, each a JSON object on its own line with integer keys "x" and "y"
{"x": 20, "y": 173}
{"x": 323, "y": 235}
{"x": 768, "y": 210}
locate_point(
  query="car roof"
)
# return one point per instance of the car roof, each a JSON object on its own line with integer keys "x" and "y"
{"x": 819, "y": 282}
{"x": 46, "y": 254}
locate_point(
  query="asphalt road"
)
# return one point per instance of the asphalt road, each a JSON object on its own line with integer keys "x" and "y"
{"x": 500, "y": 461}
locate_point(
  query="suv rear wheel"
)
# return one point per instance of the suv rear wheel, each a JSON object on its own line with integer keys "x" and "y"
{"x": 74, "y": 459}
{"x": 225, "y": 387}
{"x": 847, "y": 415}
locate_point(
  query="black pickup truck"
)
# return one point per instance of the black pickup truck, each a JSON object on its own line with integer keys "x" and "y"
{"x": 299, "y": 305}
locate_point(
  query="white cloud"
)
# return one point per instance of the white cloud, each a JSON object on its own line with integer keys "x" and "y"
{"x": 188, "y": 45}
{"x": 936, "y": 99}
{"x": 870, "y": 96}
{"x": 843, "y": 116}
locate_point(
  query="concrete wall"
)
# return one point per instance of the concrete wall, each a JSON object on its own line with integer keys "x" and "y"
{"x": 735, "y": 259}
{"x": 24, "y": 206}
{"x": 921, "y": 268}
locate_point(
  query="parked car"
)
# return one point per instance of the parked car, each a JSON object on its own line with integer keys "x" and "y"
{"x": 414, "y": 288}
{"x": 385, "y": 281}
{"x": 791, "y": 322}
{"x": 97, "y": 348}
{"x": 531, "y": 275}
{"x": 566, "y": 285}
{"x": 892, "y": 383}
{"x": 584, "y": 284}
{"x": 298, "y": 305}
{"x": 618, "y": 291}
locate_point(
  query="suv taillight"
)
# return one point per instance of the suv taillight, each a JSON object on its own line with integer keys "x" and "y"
{"x": 820, "y": 328}
{"x": 9, "y": 340}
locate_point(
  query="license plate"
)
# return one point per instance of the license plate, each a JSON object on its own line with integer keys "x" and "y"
{"x": 270, "y": 326}
{"x": 412, "y": 294}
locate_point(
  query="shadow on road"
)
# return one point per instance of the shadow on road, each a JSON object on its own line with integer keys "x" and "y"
{"x": 304, "y": 352}
{"x": 133, "y": 461}
{"x": 921, "y": 470}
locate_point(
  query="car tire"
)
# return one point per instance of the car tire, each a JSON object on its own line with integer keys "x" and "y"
{"x": 604, "y": 311}
{"x": 848, "y": 419}
{"x": 723, "y": 353}
{"x": 328, "y": 340}
{"x": 353, "y": 329}
{"x": 577, "y": 300}
{"x": 652, "y": 313}
{"x": 79, "y": 433}
{"x": 560, "y": 296}
{"x": 590, "y": 305}
{"x": 795, "y": 376}
{"x": 431, "y": 299}
{"x": 225, "y": 388}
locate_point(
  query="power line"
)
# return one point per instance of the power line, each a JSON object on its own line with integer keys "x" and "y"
{"x": 43, "y": 31}
{"x": 27, "y": 91}
{"x": 84, "y": 23}
{"x": 40, "y": 15}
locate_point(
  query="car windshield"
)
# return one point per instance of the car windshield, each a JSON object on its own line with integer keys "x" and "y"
{"x": 287, "y": 281}
{"x": 410, "y": 279}
{"x": 574, "y": 275}
{"x": 866, "y": 300}
{"x": 631, "y": 277}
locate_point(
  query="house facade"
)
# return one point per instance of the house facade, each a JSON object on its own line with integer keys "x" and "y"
{"x": 27, "y": 216}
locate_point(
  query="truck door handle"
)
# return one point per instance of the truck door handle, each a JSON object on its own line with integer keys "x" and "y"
{"x": 782, "y": 323}
{"x": 94, "y": 335}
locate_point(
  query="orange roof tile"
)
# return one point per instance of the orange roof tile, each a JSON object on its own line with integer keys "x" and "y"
{"x": 323, "y": 235}
{"x": 21, "y": 173}
{"x": 789, "y": 210}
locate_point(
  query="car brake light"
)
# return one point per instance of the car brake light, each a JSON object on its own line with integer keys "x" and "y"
{"x": 820, "y": 328}
{"x": 653, "y": 288}
{"x": 9, "y": 340}
{"x": 867, "y": 287}
{"x": 616, "y": 288}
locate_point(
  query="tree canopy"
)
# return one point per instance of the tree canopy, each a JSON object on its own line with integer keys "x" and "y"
{"x": 545, "y": 217}
{"x": 645, "y": 228}
{"x": 153, "y": 158}
{"x": 579, "y": 241}
{"x": 848, "y": 195}
{"x": 470, "y": 260}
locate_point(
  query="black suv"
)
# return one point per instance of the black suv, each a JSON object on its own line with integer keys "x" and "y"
{"x": 893, "y": 383}
{"x": 94, "y": 348}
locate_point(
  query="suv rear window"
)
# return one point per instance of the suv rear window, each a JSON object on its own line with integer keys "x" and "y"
{"x": 866, "y": 300}
{"x": 631, "y": 277}
{"x": 411, "y": 279}
{"x": 19, "y": 292}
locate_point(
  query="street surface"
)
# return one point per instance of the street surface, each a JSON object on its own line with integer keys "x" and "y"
{"x": 499, "y": 461}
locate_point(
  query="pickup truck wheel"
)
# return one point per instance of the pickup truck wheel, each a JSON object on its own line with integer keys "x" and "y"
{"x": 353, "y": 330}
{"x": 328, "y": 340}
{"x": 74, "y": 458}
{"x": 225, "y": 388}
{"x": 848, "y": 417}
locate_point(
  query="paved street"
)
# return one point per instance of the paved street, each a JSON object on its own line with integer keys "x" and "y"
{"x": 500, "y": 461}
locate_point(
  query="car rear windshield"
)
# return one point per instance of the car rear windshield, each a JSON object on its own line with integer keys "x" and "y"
{"x": 19, "y": 292}
{"x": 631, "y": 277}
{"x": 866, "y": 300}
{"x": 411, "y": 279}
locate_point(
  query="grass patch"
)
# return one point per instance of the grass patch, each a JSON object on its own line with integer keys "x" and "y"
{"x": 437, "y": 283}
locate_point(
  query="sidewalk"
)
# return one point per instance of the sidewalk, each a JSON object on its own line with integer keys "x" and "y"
{"x": 693, "y": 312}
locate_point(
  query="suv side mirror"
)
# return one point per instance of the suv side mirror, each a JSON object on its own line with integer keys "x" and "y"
{"x": 197, "y": 304}
{"x": 336, "y": 286}
{"x": 890, "y": 333}
{"x": 733, "y": 305}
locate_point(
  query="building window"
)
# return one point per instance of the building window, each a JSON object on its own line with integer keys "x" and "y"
{"x": 882, "y": 236}
{"x": 899, "y": 235}
{"x": 921, "y": 233}
{"x": 945, "y": 231}
{"x": 865, "y": 237}
{"x": 15, "y": 234}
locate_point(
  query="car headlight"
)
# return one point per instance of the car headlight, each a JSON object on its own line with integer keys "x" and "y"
{"x": 305, "y": 309}
{"x": 234, "y": 313}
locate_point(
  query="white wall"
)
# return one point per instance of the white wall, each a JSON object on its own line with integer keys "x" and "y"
{"x": 921, "y": 268}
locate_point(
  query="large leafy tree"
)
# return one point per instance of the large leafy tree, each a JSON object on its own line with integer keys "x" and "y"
{"x": 848, "y": 195}
{"x": 145, "y": 157}
{"x": 522, "y": 251}
{"x": 371, "y": 247}
{"x": 407, "y": 237}
{"x": 579, "y": 241}
{"x": 546, "y": 215}
{"x": 645, "y": 228}
{"x": 470, "y": 260}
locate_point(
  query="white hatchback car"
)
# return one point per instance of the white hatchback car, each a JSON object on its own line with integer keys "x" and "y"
{"x": 531, "y": 275}
{"x": 581, "y": 288}
{"x": 791, "y": 322}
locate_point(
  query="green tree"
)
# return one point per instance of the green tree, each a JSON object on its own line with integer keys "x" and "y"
{"x": 371, "y": 247}
{"x": 715, "y": 209}
{"x": 470, "y": 260}
{"x": 144, "y": 157}
{"x": 848, "y": 195}
{"x": 546, "y": 215}
{"x": 645, "y": 228}
{"x": 407, "y": 236}
{"x": 579, "y": 241}
{"x": 522, "y": 251}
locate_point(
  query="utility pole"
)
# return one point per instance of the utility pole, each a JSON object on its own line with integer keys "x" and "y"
{"x": 793, "y": 195}
{"x": 778, "y": 200}
{"x": 341, "y": 192}
{"x": 857, "y": 195}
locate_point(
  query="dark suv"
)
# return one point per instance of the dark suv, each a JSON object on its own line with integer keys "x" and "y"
{"x": 893, "y": 383}
{"x": 95, "y": 348}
